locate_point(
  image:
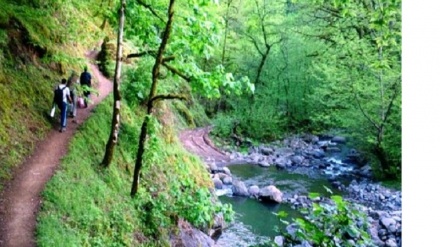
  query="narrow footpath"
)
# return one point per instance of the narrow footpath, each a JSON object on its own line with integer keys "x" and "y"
{"x": 197, "y": 141}
{"x": 20, "y": 200}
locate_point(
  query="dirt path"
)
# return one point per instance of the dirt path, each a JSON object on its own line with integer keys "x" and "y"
{"x": 197, "y": 142}
{"x": 20, "y": 200}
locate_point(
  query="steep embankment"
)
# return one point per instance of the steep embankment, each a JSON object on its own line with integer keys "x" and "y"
{"x": 20, "y": 200}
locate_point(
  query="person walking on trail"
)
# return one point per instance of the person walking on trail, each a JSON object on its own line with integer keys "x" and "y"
{"x": 73, "y": 83}
{"x": 62, "y": 99}
{"x": 86, "y": 80}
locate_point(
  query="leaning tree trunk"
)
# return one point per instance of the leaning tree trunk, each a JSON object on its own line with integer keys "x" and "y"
{"x": 113, "y": 138}
{"x": 151, "y": 99}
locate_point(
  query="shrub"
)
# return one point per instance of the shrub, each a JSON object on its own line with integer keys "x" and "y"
{"x": 337, "y": 223}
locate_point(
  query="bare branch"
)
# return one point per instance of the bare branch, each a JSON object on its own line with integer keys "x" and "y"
{"x": 365, "y": 114}
{"x": 168, "y": 96}
{"x": 254, "y": 41}
{"x": 140, "y": 54}
{"x": 148, "y": 6}
{"x": 177, "y": 72}
{"x": 391, "y": 103}
{"x": 151, "y": 53}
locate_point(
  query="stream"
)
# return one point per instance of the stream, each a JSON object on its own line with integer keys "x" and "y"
{"x": 325, "y": 173}
{"x": 255, "y": 221}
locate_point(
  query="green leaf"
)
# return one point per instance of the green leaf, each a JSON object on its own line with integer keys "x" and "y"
{"x": 313, "y": 195}
{"x": 353, "y": 232}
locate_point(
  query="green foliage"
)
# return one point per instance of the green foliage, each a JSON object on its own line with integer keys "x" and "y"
{"x": 88, "y": 206}
{"x": 339, "y": 70}
{"x": 174, "y": 191}
{"x": 106, "y": 58}
{"x": 223, "y": 125}
{"x": 337, "y": 223}
{"x": 359, "y": 74}
{"x": 136, "y": 82}
{"x": 191, "y": 45}
{"x": 260, "y": 122}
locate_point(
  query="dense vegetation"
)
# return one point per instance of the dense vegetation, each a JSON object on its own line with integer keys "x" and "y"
{"x": 86, "y": 205}
{"x": 317, "y": 66}
{"x": 298, "y": 66}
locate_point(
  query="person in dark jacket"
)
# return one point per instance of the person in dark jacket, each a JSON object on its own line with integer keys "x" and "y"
{"x": 86, "y": 80}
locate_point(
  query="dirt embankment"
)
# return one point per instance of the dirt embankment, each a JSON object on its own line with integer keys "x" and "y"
{"x": 197, "y": 142}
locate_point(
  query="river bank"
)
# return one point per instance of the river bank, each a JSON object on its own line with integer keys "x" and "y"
{"x": 311, "y": 164}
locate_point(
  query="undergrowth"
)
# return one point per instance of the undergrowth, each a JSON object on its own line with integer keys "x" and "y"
{"x": 86, "y": 205}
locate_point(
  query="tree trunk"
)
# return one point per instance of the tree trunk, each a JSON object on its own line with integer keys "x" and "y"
{"x": 260, "y": 66}
{"x": 140, "y": 153}
{"x": 226, "y": 31}
{"x": 113, "y": 138}
{"x": 153, "y": 90}
{"x": 380, "y": 154}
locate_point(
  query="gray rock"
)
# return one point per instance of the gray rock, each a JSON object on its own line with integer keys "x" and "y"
{"x": 310, "y": 138}
{"x": 297, "y": 159}
{"x": 254, "y": 190}
{"x": 279, "y": 240}
{"x": 212, "y": 166}
{"x": 217, "y": 182}
{"x": 220, "y": 175}
{"x": 391, "y": 243}
{"x": 266, "y": 150}
{"x": 281, "y": 162}
{"x": 189, "y": 236}
{"x": 227, "y": 180}
{"x": 392, "y": 228}
{"x": 339, "y": 139}
{"x": 318, "y": 153}
{"x": 227, "y": 171}
{"x": 239, "y": 188}
{"x": 271, "y": 193}
{"x": 284, "y": 151}
{"x": 397, "y": 218}
{"x": 387, "y": 222}
{"x": 264, "y": 163}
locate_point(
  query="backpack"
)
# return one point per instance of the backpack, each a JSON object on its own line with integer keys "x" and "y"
{"x": 58, "y": 96}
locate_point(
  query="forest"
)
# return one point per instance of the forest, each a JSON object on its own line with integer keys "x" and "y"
{"x": 256, "y": 71}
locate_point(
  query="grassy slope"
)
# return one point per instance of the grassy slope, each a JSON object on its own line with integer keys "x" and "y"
{"x": 38, "y": 47}
{"x": 85, "y": 205}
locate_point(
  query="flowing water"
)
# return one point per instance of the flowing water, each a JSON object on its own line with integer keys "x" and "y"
{"x": 255, "y": 222}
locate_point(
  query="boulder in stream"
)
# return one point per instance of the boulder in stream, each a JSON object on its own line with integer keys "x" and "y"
{"x": 239, "y": 188}
{"x": 271, "y": 193}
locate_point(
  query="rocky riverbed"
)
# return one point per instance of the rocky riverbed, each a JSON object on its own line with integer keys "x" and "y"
{"x": 314, "y": 156}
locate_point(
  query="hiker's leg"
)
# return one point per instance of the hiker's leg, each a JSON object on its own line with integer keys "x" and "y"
{"x": 74, "y": 102}
{"x": 64, "y": 115}
{"x": 86, "y": 98}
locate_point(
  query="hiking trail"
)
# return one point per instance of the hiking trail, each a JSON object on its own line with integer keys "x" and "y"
{"x": 20, "y": 199}
{"x": 198, "y": 142}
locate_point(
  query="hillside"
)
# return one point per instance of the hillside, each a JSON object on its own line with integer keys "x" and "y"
{"x": 39, "y": 46}
{"x": 46, "y": 55}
